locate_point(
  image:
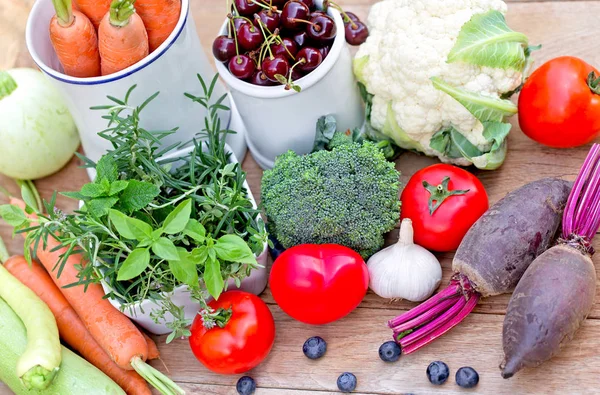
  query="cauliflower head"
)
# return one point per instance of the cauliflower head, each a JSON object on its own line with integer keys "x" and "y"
{"x": 436, "y": 77}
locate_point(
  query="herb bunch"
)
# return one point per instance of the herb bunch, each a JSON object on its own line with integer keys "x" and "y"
{"x": 151, "y": 223}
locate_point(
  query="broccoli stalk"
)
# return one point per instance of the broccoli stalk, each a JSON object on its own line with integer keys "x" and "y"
{"x": 346, "y": 196}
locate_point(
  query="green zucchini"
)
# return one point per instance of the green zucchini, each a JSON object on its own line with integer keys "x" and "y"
{"x": 75, "y": 377}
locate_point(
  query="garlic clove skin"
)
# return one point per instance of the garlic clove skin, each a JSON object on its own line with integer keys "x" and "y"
{"x": 404, "y": 270}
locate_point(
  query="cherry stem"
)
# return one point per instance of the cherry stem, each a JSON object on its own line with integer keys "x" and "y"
{"x": 265, "y": 6}
{"x": 341, "y": 10}
{"x": 316, "y": 26}
{"x": 232, "y": 27}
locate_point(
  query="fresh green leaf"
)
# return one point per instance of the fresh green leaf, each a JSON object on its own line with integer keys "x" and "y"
{"x": 13, "y": 215}
{"x": 486, "y": 40}
{"x": 93, "y": 190}
{"x": 130, "y": 228}
{"x": 200, "y": 255}
{"x": 484, "y": 108}
{"x": 281, "y": 79}
{"x": 453, "y": 144}
{"x": 466, "y": 148}
{"x": 100, "y": 206}
{"x": 195, "y": 230}
{"x": 165, "y": 249}
{"x": 138, "y": 195}
{"x": 117, "y": 186}
{"x": 106, "y": 169}
{"x": 177, "y": 220}
{"x": 232, "y": 248}
{"x": 137, "y": 261}
{"x": 28, "y": 196}
{"x": 184, "y": 268}
{"x": 493, "y": 159}
{"x": 213, "y": 279}
{"x": 496, "y": 132}
{"x": 326, "y": 128}
{"x": 74, "y": 195}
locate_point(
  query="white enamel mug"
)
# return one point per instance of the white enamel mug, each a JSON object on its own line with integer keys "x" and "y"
{"x": 277, "y": 120}
{"x": 171, "y": 70}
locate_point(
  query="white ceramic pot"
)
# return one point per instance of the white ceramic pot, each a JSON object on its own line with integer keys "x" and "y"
{"x": 278, "y": 120}
{"x": 140, "y": 312}
{"x": 171, "y": 70}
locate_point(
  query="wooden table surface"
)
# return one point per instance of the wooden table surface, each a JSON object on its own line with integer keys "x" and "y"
{"x": 563, "y": 27}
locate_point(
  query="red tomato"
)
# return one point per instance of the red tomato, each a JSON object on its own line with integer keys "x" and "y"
{"x": 319, "y": 284}
{"x": 244, "y": 341}
{"x": 557, "y": 106}
{"x": 445, "y": 228}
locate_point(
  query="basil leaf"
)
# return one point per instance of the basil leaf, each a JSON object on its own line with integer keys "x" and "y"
{"x": 13, "y": 215}
{"x": 137, "y": 195}
{"x": 100, "y": 206}
{"x": 117, "y": 187}
{"x": 130, "y": 228}
{"x": 213, "y": 279}
{"x": 195, "y": 230}
{"x": 106, "y": 169}
{"x": 200, "y": 255}
{"x": 165, "y": 249}
{"x": 232, "y": 248}
{"x": 184, "y": 268}
{"x": 178, "y": 218}
{"x": 28, "y": 197}
{"x": 486, "y": 40}
{"x": 137, "y": 261}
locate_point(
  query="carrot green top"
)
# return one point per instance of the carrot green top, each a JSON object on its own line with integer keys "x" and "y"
{"x": 120, "y": 11}
{"x": 7, "y": 84}
{"x": 64, "y": 12}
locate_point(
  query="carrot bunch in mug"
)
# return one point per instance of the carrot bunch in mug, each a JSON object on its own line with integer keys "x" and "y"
{"x": 75, "y": 41}
{"x": 160, "y": 18}
{"x": 122, "y": 37}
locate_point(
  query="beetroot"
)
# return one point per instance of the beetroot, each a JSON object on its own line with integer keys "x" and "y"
{"x": 490, "y": 260}
{"x": 557, "y": 291}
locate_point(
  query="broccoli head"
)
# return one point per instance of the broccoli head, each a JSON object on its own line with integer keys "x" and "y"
{"x": 346, "y": 196}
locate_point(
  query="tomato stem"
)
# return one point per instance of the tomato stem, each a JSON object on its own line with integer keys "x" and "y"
{"x": 594, "y": 83}
{"x": 439, "y": 193}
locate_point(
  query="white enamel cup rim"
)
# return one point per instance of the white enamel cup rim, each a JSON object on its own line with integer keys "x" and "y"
{"x": 151, "y": 58}
{"x": 274, "y": 92}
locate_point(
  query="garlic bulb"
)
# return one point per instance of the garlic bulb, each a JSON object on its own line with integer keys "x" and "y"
{"x": 404, "y": 270}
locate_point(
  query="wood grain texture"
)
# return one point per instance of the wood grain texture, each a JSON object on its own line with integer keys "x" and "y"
{"x": 563, "y": 27}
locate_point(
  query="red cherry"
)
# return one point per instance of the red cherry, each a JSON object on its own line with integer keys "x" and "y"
{"x": 242, "y": 66}
{"x": 356, "y": 33}
{"x": 286, "y": 48}
{"x": 249, "y": 37}
{"x": 309, "y": 3}
{"x": 259, "y": 78}
{"x": 223, "y": 48}
{"x": 269, "y": 18}
{"x": 352, "y": 17}
{"x": 312, "y": 59}
{"x": 325, "y": 51}
{"x": 247, "y": 7}
{"x": 301, "y": 38}
{"x": 292, "y": 13}
{"x": 322, "y": 29}
{"x": 275, "y": 65}
{"x": 238, "y": 22}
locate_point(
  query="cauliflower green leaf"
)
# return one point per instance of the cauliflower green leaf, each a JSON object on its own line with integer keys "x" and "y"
{"x": 486, "y": 40}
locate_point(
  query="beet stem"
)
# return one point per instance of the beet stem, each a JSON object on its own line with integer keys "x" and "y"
{"x": 427, "y": 316}
{"x": 450, "y": 291}
{"x": 464, "y": 312}
{"x": 426, "y": 330}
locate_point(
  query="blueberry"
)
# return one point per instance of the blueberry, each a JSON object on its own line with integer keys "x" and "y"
{"x": 314, "y": 348}
{"x": 438, "y": 372}
{"x": 277, "y": 248}
{"x": 390, "y": 351}
{"x": 467, "y": 377}
{"x": 246, "y": 385}
{"x": 346, "y": 382}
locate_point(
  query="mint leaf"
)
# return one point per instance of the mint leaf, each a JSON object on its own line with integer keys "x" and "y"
{"x": 130, "y": 228}
{"x": 137, "y": 261}
{"x": 116, "y": 187}
{"x": 138, "y": 195}
{"x": 195, "y": 230}
{"x": 213, "y": 279}
{"x": 106, "y": 169}
{"x": 13, "y": 215}
{"x": 232, "y": 248}
{"x": 165, "y": 249}
{"x": 92, "y": 190}
{"x": 184, "y": 268}
{"x": 178, "y": 218}
{"x": 100, "y": 206}
{"x": 74, "y": 195}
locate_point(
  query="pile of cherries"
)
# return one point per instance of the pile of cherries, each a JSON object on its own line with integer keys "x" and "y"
{"x": 269, "y": 46}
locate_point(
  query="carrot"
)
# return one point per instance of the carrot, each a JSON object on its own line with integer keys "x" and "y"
{"x": 160, "y": 18}
{"x": 153, "y": 352}
{"x": 122, "y": 37}
{"x": 71, "y": 328}
{"x": 75, "y": 41}
{"x": 94, "y": 9}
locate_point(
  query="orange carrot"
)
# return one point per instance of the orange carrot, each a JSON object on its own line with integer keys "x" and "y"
{"x": 160, "y": 18}
{"x": 71, "y": 328}
{"x": 122, "y": 37}
{"x": 153, "y": 352}
{"x": 94, "y": 9}
{"x": 75, "y": 41}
